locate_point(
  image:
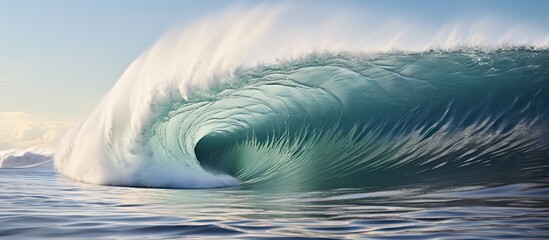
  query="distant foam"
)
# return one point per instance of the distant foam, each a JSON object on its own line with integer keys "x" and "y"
{"x": 24, "y": 158}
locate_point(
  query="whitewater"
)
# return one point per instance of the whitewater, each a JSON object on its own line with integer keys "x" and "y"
{"x": 232, "y": 100}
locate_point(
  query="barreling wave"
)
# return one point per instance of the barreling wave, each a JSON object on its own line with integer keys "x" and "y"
{"x": 209, "y": 108}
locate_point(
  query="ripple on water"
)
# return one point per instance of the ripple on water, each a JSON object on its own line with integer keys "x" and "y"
{"x": 58, "y": 208}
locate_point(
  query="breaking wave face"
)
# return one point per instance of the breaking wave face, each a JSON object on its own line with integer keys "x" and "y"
{"x": 232, "y": 101}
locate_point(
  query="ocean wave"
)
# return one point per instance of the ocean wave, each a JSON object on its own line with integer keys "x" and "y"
{"x": 215, "y": 107}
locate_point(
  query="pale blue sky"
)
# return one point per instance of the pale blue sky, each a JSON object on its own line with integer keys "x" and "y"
{"x": 59, "y": 58}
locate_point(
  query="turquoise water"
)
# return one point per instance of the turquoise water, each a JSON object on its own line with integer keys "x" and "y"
{"x": 39, "y": 203}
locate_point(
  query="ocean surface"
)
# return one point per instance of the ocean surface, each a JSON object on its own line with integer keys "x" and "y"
{"x": 39, "y": 203}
